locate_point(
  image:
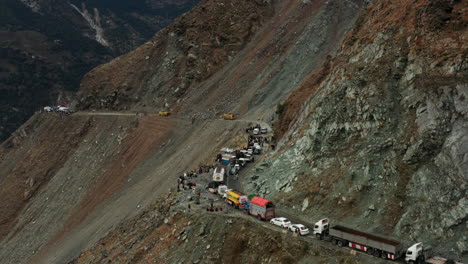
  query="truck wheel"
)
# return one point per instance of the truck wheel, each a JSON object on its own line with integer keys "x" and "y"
{"x": 334, "y": 241}
{"x": 370, "y": 251}
{"x": 318, "y": 236}
{"x": 383, "y": 255}
{"x": 340, "y": 243}
{"x": 377, "y": 253}
{"x": 259, "y": 218}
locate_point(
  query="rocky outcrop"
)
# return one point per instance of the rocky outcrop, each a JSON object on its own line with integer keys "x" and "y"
{"x": 378, "y": 142}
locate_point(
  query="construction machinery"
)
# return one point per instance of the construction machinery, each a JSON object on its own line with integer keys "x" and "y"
{"x": 228, "y": 116}
{"x": 164, "y": 113}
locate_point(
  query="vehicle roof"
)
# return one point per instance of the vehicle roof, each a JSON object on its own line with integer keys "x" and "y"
{"x": 260, "y": 201}
{"x": 369, "y": 236}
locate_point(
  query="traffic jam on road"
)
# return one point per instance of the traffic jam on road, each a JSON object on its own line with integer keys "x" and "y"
{"x": 231, "y": 161}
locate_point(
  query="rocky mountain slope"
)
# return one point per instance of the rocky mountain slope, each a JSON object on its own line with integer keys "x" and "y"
{"x": 377, "y": 139}
{"x": 48, "y": 45}
{"x": 370, "y": 119}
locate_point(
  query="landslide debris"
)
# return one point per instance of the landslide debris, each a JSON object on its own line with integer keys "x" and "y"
{"x": 377, "y": 139}
{"x": 44, "y": 156}
{"x": 178, "y": 58}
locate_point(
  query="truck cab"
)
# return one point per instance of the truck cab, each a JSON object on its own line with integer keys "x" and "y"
{"x": 414, "y": 253}
{"x": 236, "y": 198}
{"x": 321, "y": 228}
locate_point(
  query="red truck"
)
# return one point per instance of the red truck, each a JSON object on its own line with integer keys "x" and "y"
{"x": 262, "y": 208}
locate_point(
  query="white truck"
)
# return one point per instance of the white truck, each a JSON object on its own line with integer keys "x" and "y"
{"x": 218, "y": 174}
{"x": 371, "y": 244}
{"x": 375, "y": 245}
{"x": 418, "y": 254}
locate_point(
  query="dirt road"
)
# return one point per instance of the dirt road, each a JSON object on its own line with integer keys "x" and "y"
{"x": 105, "y": 114}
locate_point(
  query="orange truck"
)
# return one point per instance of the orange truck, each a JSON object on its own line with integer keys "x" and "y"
{"x": 236, "y": 198}
{"x": 228, "y": 116}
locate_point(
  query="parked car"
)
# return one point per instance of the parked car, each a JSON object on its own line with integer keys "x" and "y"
{"x": 250, "y": 158}
{"x": 257, "y": 148}
{"x": 264, "y": 130}
{"x": 281, "y": 222}
{"x": 250, "y": 151}
{"x": 243, "y": 161}
{"x": 299, "y": 228}
{"x": 256, "y": 131}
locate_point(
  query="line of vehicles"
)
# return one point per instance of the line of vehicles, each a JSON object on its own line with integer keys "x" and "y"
{"x": 377, "y": 246}
{"x": 339, "y": 235}
{"x": 264, "y": 209}
{"x": 254, "y": 205}
{"x": 374, "y": 245}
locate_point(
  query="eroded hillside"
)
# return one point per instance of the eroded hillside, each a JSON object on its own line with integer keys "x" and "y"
{"x": 371, "y": 133}
{"x": 377, "y": 139}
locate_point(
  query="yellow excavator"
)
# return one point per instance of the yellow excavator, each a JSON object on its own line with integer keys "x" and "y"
{"x": 228, "y": 116}
{"x": 164, "y": 113}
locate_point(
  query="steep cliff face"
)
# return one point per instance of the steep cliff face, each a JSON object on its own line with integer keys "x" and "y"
{"x": 377, "y": 139}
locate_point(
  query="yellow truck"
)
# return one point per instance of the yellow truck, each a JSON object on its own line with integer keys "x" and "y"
{"x": 236, "y": 198}
{"x": 164, "y": 113}
{"x": 228, "y": 116}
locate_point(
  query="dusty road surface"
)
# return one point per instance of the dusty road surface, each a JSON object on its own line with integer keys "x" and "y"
{"x": 93, "y": 113}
